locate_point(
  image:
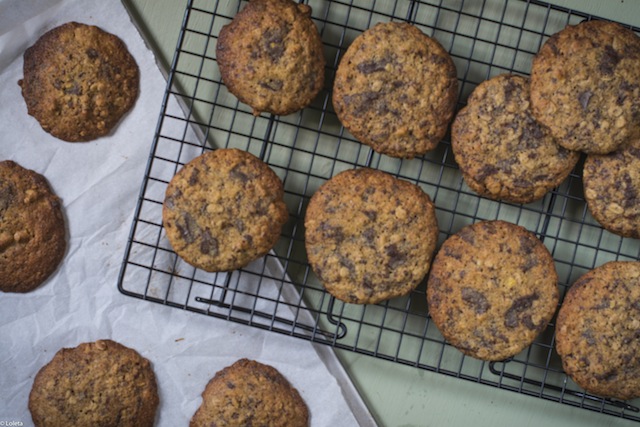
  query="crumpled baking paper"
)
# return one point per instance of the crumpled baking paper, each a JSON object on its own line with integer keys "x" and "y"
{"x": 99, "y": 183}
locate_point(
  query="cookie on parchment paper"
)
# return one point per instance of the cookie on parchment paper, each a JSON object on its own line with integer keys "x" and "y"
{"x": 396, "y": 89}
{"x": 224, "y": 209}
{"x": 271, "y": 56}
{"x": 79, "y": 81}
{"x": 492, "y": 289}
{"x": 612, "y": 189}
{"x": 598, "y": 330}
{"x": 250, "y": 393}
{"x": 32, "y": 229}
{"x": 370, "y": 236}
{"x": 502, "y": 151}
{"x": 101, "y": 383}
{"x": 585, "y": 86}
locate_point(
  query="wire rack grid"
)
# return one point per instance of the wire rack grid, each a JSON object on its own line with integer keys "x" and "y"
{"x": 280, "y": 293}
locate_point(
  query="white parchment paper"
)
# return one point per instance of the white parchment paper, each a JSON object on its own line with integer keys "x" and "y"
{"x": 98, "y": 183}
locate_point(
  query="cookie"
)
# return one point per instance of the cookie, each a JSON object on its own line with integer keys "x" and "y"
{"x": 492, "y": 289}
{"x": 101, "y": 383}
{"x": 249, "y": 393}
{"x": 612, "y": 189}
{"x": 369, "y": 236}
{"x": 598, "y": 330}
{"x": 32, "y": 229}
{"x": 502, "y": 151}
{"x": 271, "y": 56}
{"x": 224, "y": 209}
{"x": 79, "y": 81}
{"x": 395, "y": 90}
{"x": 585, "y": 86}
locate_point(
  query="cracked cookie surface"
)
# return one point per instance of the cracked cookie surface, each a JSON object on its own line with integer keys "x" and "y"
{"x": 224, "y": 209}
{"x": 32, "y": 229}
{"x": 271, "y": 56}
{"x": 585, "y": 86}
{"x": 612, "y": 189}
{"x": 502, "y": 151}
{"x": 396, "y": 89}
{"x": 598, "y": 330}
{"x": 101, "y": 383}
{"x": 370, "y": 236}
{"x": 492, "y": 289}
{"x": 79, "y": 81}
{"x": 250, "y": 393}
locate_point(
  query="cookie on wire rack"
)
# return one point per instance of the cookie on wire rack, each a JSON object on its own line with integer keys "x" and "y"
{"x": 32, "y": 229}
{"x": 79, "y": 81}
{"x": 250, "y": 393}
{"x": 101, "y": 383}
{"x": 224, "y": 209}
{"x": 502, "y": 151}
{"x": 370, "y": 236}
{"x": 492, "y": 289}
{"x": 395, "y": 90}
{"x": 612, "y": 189}
{"x": 598, "y": 330}
{"x": 585, "y": 86}
{"x": 271, "y": 56}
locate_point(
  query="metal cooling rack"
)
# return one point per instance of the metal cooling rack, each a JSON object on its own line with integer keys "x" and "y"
{"x": 280, "y": 293}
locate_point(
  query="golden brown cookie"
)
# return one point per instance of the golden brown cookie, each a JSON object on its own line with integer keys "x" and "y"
{"x": 100, "y": 383}
{"x": 249, "y": 393}
{"x": 502, "y": 151}
{"x": 598, "y": 330}
{"x": 32, "y": 229}
{"x": 369, "y": 236}
{"x": 492, "y": 289}
{"x": 612, "y": 189}
{"x": 79, "y": 81}
{"x": 585, "y": 86}
{"x": 224, "y": 209}
{"x": 396, "y": 89}
{"x": 271, "y": 56}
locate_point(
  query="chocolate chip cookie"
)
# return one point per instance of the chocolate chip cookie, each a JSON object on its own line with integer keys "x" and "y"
{"x": 598, "y": 330}
{"x": 224, "y": 209}
{"x": 502, "y": 151}
{"x": 100, "y": 383}
{"x": 492, "y": 289}
{"x": 32, "y": 229}
{"x": 271, "y": 56}
{"x": 396, "y": 89}
{"x": 79, "y": 81}
{"x": 249, "y": 393}
{"x": 585, "y": 86}
{"x": 612, "y": 189}
{"x": 369, "y": 236}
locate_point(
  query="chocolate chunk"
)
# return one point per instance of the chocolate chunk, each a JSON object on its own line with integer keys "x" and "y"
{"x": 609, "y": 60}
{"x": 467, "y": 235}
{"x": 373, "y": 66}
{"x": 193, "y": 178}
{"x": 332, "y": 231}
{"x": 372, "y": 215}
{"x": 7, "y": 195}
{"x": 363, "y": 102}
{"x": 273, "y": 42}
{"x": 188, "y": 228}
{"x": 396, "y": 257}
{"x": 92, "y": 53}
{"x": 239, "y": 172}
{"x": 527, "y": 245}
{"x": 209, "y": 244}
{"x": 485, "y": 172}
{"x": 369, "y": 235}
{"x": 451, "y": 252}
{"x": 584, "y": 98}
{"x": 517, "y": 309}
{"x": 477, "y": 300}
{"x": 273, "y": 84}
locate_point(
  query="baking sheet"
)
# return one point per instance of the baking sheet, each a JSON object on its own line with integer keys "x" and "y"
{"x": 98, "y": 183}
